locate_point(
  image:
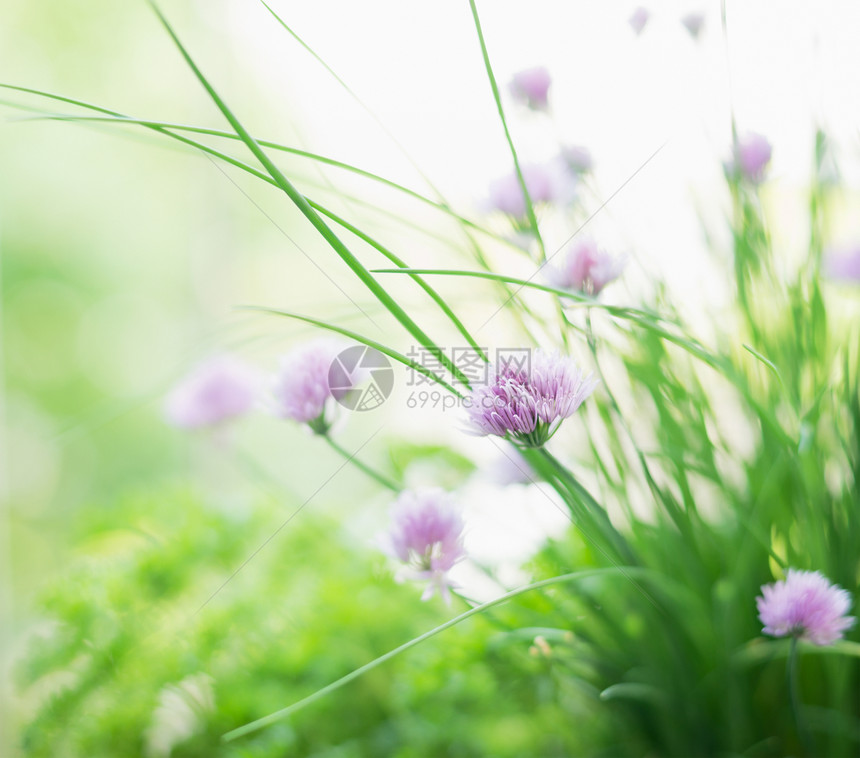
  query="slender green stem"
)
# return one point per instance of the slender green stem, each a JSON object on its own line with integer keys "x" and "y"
{"x": 530, "y": 211}
{"x": 384, "y": 349}
{"x": 590, "y": 508}
{"x": 309, "y": 213}
{"x": 272, "y": 718}
{"x": 361, "y": 466}
{"x": 794, "y": 696}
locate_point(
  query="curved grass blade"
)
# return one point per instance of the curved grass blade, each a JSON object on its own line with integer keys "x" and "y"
{"x": 116, "y": 117}
{"x": 310, "y": 214}
{"x": 446, "y": 309}
{"x": 442, "y": 203}
{"x": 358, "y": 100}
{"x": 390, "y": 352}
{"x": 166, "y": 129}
{"x": 530, "y": 210}
{"x": 272, "y": 718}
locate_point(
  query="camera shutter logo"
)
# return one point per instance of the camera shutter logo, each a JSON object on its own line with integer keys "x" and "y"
{"x": 360, "y": 378}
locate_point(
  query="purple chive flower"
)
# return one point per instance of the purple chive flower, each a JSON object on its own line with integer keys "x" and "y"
{"x": 585, "y": 268}
{"x": 638, "y": 19}
{"x": 805, "y": 605}
{"x": 301, "y": 388}
{"x": 843, "y": 265}
{"x": 531, "y": 87}
{"x": 526, "y": 404}
{"x": 577, "y": 159}
{"x": 217, "y": 390}
{"x": 426, "y": 535}
{"x": 693, "y": 23}
{"x": 752, "y": 154}
{"x": 507, "y": 196}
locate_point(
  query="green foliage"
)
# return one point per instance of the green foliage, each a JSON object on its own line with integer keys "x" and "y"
{"x": 127, "y": 620}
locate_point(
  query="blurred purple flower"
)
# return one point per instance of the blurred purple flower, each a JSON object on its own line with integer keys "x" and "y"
{"x": 426, "y": 535}
{"x": 638, "y": 19}
{"x": 585, "y": 268}
{"x": 510, "y": 468}
{"x": 217, "y": 390}
{"x": 843, "y": 265}
{"x": 752, "y": 153}
{"x": 301, "y": 388}
{"x": 693, "y": 23}
{"x": 577, "y": 159}
{"x": 527, "y": 403}
{"x": 507, "y": 196}
{"x": 531, "y": 87}
{"x": 805, "y": 605}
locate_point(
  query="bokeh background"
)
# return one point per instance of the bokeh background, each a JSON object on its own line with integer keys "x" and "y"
{"x": 123, "y": 257}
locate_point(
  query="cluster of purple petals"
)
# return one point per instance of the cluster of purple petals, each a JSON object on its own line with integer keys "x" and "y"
{"x": 843, "y": 264}
{"x": 807, "y": 606}
{"x": 506, "y": 195}
{"x": 528, "y": 406}
{"x": 531, "y": 87}
{"x": 216, "y": 391}
{"x": 638, "y": 19}
{"x": 301, "y": 388}
{"x": 585, "y": 267}
{"x": 752, "y": 154}
{"x": 426, "y": 535}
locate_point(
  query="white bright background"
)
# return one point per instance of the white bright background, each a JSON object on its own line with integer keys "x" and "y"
{"x": 784, "y": 68}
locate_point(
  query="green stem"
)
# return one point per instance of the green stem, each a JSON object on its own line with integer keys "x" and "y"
{"x": 530, "y": 211}
{"x": 589, "y": 507}
{"x": 361, "y": 670}
{"x": 794, "y": 696}
{"x": 375, "y": 475}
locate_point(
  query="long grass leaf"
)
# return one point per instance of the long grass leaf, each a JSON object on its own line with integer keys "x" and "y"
{"x": 119, "y": 118}
{"x": 444, "y": 307}
{"x": 390, "y": 352}
{"x": 530, "y": 210}
{"x": 310, "y": 214}
{"x": 272, "y": 718}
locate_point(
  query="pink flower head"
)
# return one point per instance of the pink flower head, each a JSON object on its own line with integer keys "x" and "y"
{"x": 507, "y": 196}
{"x": 301, "y": 388}
{"x": 217, "y": 390}
{"x": 531, "y": 87}
{"x": 638, "y": 19}
{"x": 693, "y": 23}
{"x": 526, "y": 401}
{"x": 843, "y": 265}
{"x": 577, "y": 159}
{"x": 805, "y": 605}
{"x": 585, "y": 268}
{"x": 426, "y": 535}
{"x": 752, "y": 154}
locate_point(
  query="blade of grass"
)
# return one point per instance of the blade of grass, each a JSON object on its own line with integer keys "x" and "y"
{"x": 310, "y": 214}
{"x": 444, "y": 307}
{"x": 530, "y": 211}
{"x": 272, "y": 718}
{"x": 166, "y": 129}
{"x": 360, "y": 102}
{"x": 390, "y": 352}
{"x": 119, "y": 118}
